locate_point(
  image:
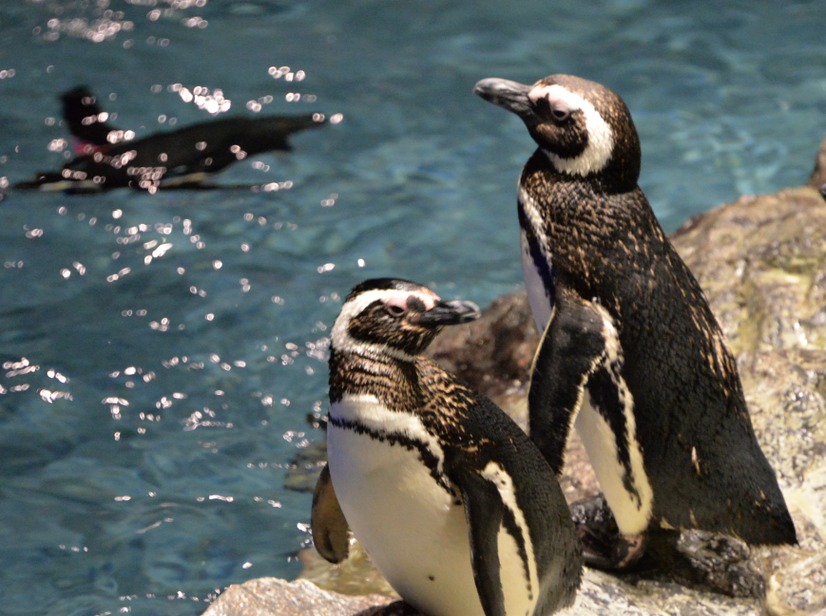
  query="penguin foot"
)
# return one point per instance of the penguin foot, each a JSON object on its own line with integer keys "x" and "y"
{"x": 603, "y": 546}
{"x": 615, "y": 553}
{"x": 707, "y": 561}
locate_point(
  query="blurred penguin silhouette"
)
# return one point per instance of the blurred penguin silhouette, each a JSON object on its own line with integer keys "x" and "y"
{"x": 108, "y": 157}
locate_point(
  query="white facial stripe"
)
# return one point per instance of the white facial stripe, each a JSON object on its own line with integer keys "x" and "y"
{"x": 340, "y": 336}
{"x": 556, "y": 93}
{"x": 368, "y": 411}
{"x": 497, "y": 475}
{"x": 600, "y": 136}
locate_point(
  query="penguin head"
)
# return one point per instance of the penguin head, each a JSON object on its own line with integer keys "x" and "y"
{"x": 87, "y": 122}
{"x": 584, "y": 128}
{"x": 395, "y": 317}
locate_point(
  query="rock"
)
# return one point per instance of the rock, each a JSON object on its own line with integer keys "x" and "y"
{"x": 274, "y": 597}
{"x": 494, "y": 353}
{"x": 354, "y": 576}
{"x": 762, "y": 262}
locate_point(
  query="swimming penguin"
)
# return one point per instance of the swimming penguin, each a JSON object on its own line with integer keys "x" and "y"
{"x": 448, "y": 496}
{"x": 181, "y": 158}
{"x": 631, "y": 352}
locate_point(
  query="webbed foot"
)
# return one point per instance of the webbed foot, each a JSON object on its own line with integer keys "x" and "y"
{"x": 603, "y": 546}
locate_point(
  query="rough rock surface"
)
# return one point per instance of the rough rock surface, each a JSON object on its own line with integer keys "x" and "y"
{"x": 271, "y": 596}
{"x": 762, "y": 263}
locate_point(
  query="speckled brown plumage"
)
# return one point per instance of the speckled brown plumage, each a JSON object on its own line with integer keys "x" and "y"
{"x": 422, "y": 387}
{"x": 601, "y": 244}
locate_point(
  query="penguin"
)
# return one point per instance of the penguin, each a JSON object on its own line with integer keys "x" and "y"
{"x": 181, "y": 158}
{"x": 631, "y": 354}
{"x": 448, "y": 496}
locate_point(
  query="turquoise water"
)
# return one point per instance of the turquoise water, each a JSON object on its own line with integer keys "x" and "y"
{"x": 160, "y": 354}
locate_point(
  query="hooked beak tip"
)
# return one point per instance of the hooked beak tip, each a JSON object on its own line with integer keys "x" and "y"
{"x": 507, "y": 94}
{"x": 450, "y": 313}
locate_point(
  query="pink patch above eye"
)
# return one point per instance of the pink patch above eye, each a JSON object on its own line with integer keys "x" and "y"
{"x": 397, "y": 302}
{"x": 558, "y": 98}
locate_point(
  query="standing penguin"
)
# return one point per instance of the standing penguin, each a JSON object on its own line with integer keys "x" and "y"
{"x": 664, "y": 421}
{"x": 450, "y": 499}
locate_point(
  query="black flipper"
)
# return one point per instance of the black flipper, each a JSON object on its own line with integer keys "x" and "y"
{"x": 508, "y": 487}
{"x": 330, "y": 529}
{"x": 571, "y": 350}
{"x": 580, "y": 353}
{"x": 483, "y": 511}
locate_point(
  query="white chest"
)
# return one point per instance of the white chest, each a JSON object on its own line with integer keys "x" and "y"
{"x": 539, "y": 296}
{"x": 409, "y": 525}
{"x": 414, "y": 531}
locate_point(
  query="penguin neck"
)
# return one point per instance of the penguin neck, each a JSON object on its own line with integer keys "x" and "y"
{"x": 619, "y": 175}
{"x": 590, "y": 236}
{"x": 368, "y": 371}
{"x": 569, "y": 228}
{"x": 550, "y": 200}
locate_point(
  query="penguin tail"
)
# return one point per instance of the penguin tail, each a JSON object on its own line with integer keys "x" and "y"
{"x": 780, "y": 531}
{"x": 277, "y": 129}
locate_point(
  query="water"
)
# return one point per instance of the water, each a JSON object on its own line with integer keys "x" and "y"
{"x": 160, "y": 354}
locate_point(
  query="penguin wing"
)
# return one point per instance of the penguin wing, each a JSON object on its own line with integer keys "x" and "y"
{"x": 581, "y": 351}
{"x": 572, "y": 348}
{"x": 483, "y": 512}
{"x": 329, "y": 526}
{"x": 507, "y": 487}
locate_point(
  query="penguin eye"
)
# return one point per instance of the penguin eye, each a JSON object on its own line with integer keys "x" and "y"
{"x": 558, "y": 109}
{"x": 395, "y": 310}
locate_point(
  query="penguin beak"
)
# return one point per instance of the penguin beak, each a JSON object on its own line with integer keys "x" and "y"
{"x": 449, "y": 313}
{"x": 509, "y": 95}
